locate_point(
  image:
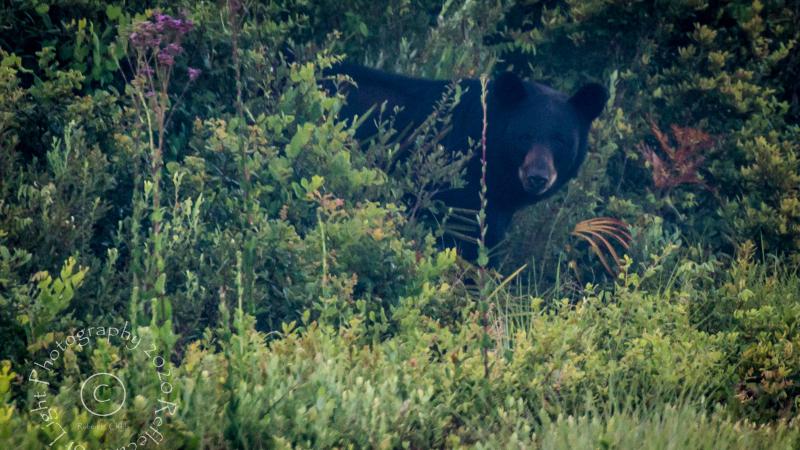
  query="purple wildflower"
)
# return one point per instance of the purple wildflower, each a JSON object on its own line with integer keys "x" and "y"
{"x": 193, "y": 73}
{"x": 162, "y": 28}
{"x": 186, "y": 26}
{"x": 166, "y": 59}
{"x": 145, "y": 35}
{"x": 173, "y": 49}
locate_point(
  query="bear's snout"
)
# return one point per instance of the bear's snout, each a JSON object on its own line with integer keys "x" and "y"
{"x": 537, "y": 172}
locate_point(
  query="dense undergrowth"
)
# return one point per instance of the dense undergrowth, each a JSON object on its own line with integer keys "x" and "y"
{"x": 182, "y": 211}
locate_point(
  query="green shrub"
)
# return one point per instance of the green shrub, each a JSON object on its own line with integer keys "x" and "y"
{"x": 758, "y": 305}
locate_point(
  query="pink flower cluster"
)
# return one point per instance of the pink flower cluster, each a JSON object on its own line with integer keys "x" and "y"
{"x": 193, "y": 73}
{"x": 162, "y": 36}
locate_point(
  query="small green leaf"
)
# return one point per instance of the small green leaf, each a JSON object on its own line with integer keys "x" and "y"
{"x": 161, "y": 283}
{"x": 113, "y": 12}
{"x": 299, "y": 140}
{"x": 280, "y": 168}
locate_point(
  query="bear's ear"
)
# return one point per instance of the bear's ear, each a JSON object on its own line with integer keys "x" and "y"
{"x": 589, "y": 101}
{"x": 508, "y": 89}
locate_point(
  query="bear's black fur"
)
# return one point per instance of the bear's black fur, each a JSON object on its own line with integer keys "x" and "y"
{"x": 535, "y": 143}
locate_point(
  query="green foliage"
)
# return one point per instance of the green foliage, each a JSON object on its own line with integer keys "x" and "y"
{"x": 320, "y": 387}
{"x": 51, "y": 298}
{"x": 757, "y": 304}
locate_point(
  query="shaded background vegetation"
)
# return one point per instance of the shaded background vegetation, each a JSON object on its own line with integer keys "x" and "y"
{"x": 253, "y": 207}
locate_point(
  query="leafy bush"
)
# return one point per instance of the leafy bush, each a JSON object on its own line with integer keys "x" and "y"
{"x": 757, "y": 305}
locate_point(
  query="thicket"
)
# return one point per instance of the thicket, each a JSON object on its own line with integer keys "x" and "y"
{"x": 179, "y": 167}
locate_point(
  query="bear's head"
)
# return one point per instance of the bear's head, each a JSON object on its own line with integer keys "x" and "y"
{"x": 538, "y": 135}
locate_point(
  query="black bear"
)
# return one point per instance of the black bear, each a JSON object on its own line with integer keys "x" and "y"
{"x": 535, "y": 139}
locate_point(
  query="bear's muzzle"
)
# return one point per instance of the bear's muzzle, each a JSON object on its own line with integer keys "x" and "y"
{"x": 537, "y": 172}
